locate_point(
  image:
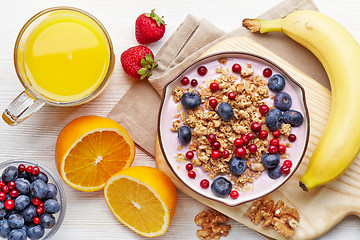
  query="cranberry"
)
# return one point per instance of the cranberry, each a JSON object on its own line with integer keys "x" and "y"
{"x": 285, "y": 170}
{"x": 202, "y": 70}
{"x": 225, "y": 154}
{"x": 2, "y": 196}
{"x": 189, "y": 155}
{"x": 255, "y": 127}
{"x": 240, "y": 152}
{"x": 191, "y": 174}
{"x": 211, "y": 138}
{"x": 215, "y": 154}
{"x": 36, "y": 201}
{"x": 35, "y": 171}
{"x": 41, "y": 204}
{"x": 250, "y": 136}
{"x": 267, "y": 72}
{"x": 281, "y": 149}
{"x": 194, "y": 82}
{"x": 292, "y": 137}
{"x": 9, "y": 204}
{"x": 232, "y": 95}
{"x": 188, "y": 167}
{"x": 287, "y": 163}
{"x": 36, "y": 220}
{"x": 234, "y": 194}
{"x": 185, "y": 81}
{"x": 5, "y": 189}
{"x": 213, "y": 103}
{"x": 40, "y": 210}
{"x": 263, "y": 134}
{"x": 2, "y": 183}
{"x": 14, "y": 193}
{"x": 272, "y": 149}
{"x": 29, "y": 169}
{"x": 238, "y": 142}
{"x": 204, "y": 183}
{"x": 214, "y": 86}
{"x": 21, "y": 167}
{"x": 276, "y": 133}
{"x": 252, "y": 148}
{"x": 263, "y": 109}
{"x": 215, "y": 145}
{"x": 11, "y": 185}
{"x": 236, "y": 68}
{"x": 245, "y": 139}
{"x": 274, "y": 142}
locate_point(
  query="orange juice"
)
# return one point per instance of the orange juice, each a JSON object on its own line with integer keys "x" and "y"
{"x": 65, "y": 57}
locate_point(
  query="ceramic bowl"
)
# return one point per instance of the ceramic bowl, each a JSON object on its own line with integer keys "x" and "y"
{"x": 169, "y": 142}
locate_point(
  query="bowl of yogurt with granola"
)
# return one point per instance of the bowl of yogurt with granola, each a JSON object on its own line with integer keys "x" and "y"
{"x": 233, "y": 126}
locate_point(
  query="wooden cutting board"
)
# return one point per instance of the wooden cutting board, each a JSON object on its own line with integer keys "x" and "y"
{"x": 321, "y": 208}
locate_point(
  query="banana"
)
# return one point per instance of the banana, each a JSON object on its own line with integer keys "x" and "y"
{"x": 339, "y": 54}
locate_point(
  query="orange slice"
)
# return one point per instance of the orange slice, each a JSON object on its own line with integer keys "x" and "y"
{"x": 143, "y": 199}
{"x": 90, "y": 149}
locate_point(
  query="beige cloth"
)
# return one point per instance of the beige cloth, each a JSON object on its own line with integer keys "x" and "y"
{"x": 137, "y": 110}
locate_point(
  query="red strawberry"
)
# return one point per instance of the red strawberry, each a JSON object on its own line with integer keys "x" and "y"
{"x": 138, "y": 62}
{"x": 149, "y": 27}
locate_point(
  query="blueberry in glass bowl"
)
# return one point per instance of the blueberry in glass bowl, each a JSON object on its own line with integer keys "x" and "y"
{"x": 32, "y": 201}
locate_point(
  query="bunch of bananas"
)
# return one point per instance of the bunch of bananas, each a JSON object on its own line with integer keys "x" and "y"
{"x": 339, "y": 54}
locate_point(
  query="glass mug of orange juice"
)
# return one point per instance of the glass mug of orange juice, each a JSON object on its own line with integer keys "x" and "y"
{"x": 63, "y": 56}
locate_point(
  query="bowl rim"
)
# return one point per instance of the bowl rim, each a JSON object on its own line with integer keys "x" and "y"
{"x": 223, "y": 54}
{"x": 55, "y": 179}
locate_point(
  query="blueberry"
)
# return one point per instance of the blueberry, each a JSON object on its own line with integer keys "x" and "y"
{"x": 23, "y": 174}
{"x": 2, "y": 205}
{"x": 184, "y": 135}
{"x": 11, "y": 212}
{"x": 52, "y": 206}
{"x": 21, "y": 202}
{"x": 10, "y": 174}
{"x": 225, "y": 111}
{"x": 237, "y": 165}
{"x": 274, "y": 119}
{"x": 17, "y": 234}
{"x": 35, "y": 232}
{"x": 282, "y": 101}
{"x": 190, "y": 100}
{"x": 29, "y": 213}
{"x": 275, "y": 172}
{"x": 276, "y": 83}
{"x": 42, "y": 176}
{"x": 3, "y": 213}
{"x": 270, "y": 160}
{"x": 22, "y": 185}
{"x": 4, "y": 228}
{"x": 25, "y": 228}
{"x": 221, "y": 187}
{"x": 38, "y": 189}
{"x": 51, "y": 190}
{"x": 16, "y": 221}
{"x": 293, "y": 117}
{"x": 47, "y": 220}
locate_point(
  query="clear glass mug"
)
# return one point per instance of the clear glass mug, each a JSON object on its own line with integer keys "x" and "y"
{"x": 36, "y": 95}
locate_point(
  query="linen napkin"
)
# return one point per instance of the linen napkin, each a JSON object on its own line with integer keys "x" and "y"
{"x": 137, "y": 110}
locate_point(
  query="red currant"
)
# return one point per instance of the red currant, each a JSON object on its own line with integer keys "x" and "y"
{"x": 263, "y": 109}
{"x": 255, "y": 127}
{"x": 215, "y": 145}
{"x": 2, "y": 183}
{"x": 236, "y": 68}
{"x": 211, "y": 138}
{"x": 9, "y": 204}
{"x": 225, "y": 154}
{"x": 202, "y": 70}
{"x": 285, "y": 170}
{"x": 263, "y": 134}
{"x": 11, "y": 185}
{"x": 281, "y": 149}
{"x": 204, "y": 183}
{"x": 272, "y": 149}
{"x": 252, "y": 148}
{"x": 35, "y": 171}
{"x": 21, "y": 167}
{"x": 191, "y": 174}
{"x": 36, "y": 201}
{"x": 231, "y": 95}
{"x": 29, "y": 169}
{"x": 215, "y": 154}
{"x": 36, "y": 220}
{"x": 194, "y": 82}
{"x": 238, "y": 142}
{"x": 250, "y": 136}
{"x": 14, "y": 193}
{"x": 287, "y": 163}
{"x": 245, "y": 139}
{"x": 274, "y": 142}
{"x": 213, "y": 103}
{"x": 240, "y": 152}
{"x": 2, "y": 196}
{"x": 214, "y": 86}
{"x": 5, "y": 189}
{"x": 292, "y": 137}
{"x": 189, "y": 155}
{"x": 188, "y": 167}
{"x": 234, "y": 194}
{"x": 41, "y": 204}
{"x": 267, "y": 72}
{"x": 276, "y": 133}
{"x": 40, "y": 210}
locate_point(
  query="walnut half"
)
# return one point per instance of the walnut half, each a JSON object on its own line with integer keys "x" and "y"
{"x": 211, "y": 222}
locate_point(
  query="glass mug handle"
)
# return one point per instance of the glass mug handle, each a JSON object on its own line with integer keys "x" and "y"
{"x": 21, "y": 108}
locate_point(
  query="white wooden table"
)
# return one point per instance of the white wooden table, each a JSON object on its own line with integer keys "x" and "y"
{"x": 88, "y": 216}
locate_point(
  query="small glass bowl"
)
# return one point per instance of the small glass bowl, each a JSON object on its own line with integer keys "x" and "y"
{"x": 59, "y": 217}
